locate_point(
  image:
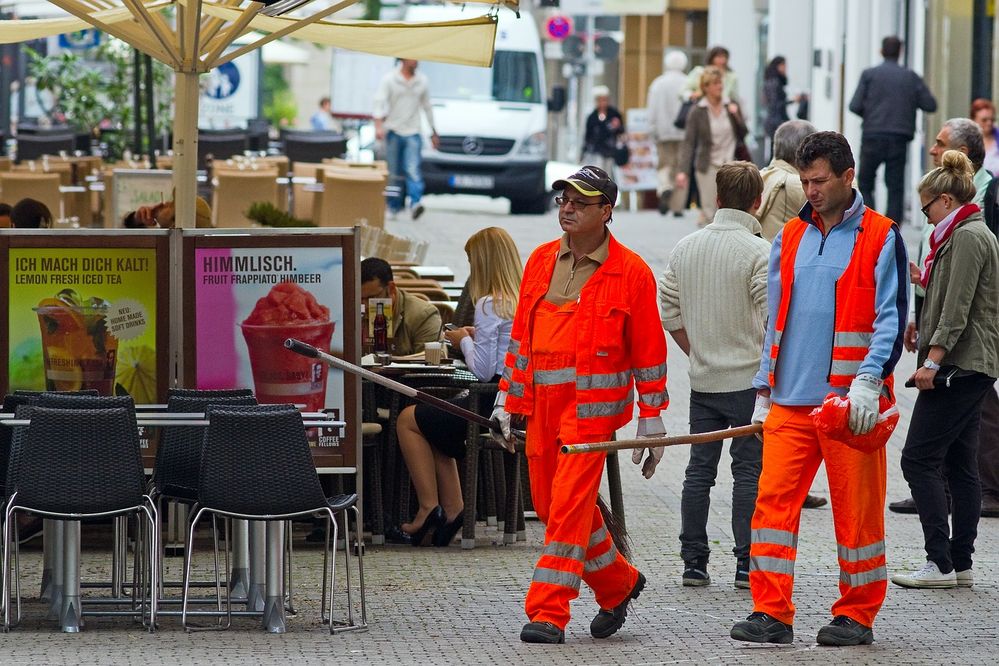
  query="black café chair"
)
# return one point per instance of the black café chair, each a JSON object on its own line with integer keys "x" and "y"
{"x": 257, "y": 465}
{"x": 48, "y": 477}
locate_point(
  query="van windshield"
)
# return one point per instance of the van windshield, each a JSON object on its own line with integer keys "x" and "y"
{"x": 513, "y": 78}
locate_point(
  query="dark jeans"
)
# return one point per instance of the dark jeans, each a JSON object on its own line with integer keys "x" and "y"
{"x": 890, "y": 151}
{"x": 715, "y": 411}
{"x": 943, "y": 444}
{"x": 988, "y": 448}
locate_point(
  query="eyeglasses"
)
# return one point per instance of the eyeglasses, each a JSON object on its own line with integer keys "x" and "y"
{"x": 577, "y": 204}
{"x": 926, "y": 208}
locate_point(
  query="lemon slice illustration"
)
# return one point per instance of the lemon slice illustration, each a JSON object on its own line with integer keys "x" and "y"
{"x": 137, "y": 373}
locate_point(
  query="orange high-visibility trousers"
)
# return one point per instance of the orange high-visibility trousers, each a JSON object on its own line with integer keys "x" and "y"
{"x": 792, "y": 452}
{"x": 564, "y": 487}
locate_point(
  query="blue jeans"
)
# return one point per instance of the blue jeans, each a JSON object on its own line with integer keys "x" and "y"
{"x": 714, "y": 411}
{"x": 403, "y": 156}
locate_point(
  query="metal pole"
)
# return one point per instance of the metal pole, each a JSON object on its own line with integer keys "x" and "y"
{"x": 239, "y": 579}
{"x": 258, "y": 553}
{"x": 48, "y": 555}
{"x": 150, "y": 110}
{"x": 69, "y": 614}
{"x": 274, "y": 601}
{"x": 58, "y": 578}
{"x": 137, "y": 101}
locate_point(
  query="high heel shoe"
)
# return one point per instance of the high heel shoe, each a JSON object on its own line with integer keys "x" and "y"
{"x": 423, "y": 536}
{"x": 445, "y": 533}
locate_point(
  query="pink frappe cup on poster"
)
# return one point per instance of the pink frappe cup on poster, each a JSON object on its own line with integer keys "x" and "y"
{"x": 279, "y": 375}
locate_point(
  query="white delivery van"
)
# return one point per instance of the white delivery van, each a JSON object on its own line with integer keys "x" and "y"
{"x": 493, "y": 123}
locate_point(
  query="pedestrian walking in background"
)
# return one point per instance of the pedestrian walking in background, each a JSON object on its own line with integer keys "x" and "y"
{"x": 401, "y": 97}
{"x": 775, "y": 97}
{"x": 714, "y": 132}
{"x": 322, "y": 120}
{"x": 887, "y": 98}
{"x": 837, "y": 304}
{"x": 604, "y": 129}
{"x": 714, "y": 304}
{"x": 718, "y": 56}
{"x": 958, "y": 356}
{"x": 983, "y": 112}
{"x": 783, "y": 195}
{"x": 587, "y": 337}
{"x": 664, "y": 101}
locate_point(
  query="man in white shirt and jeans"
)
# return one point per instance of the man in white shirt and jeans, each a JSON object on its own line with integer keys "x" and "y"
{"x": 401, "y": 96}
{"x": 714, "y": 305}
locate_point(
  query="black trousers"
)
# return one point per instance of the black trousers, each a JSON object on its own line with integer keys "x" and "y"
{"x": 943, "y": 444}
{"x": 988, "y": 448}
{"x": 890, "y": 151}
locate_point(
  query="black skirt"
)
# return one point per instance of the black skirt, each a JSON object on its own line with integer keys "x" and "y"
{"x": 446, "y": 432}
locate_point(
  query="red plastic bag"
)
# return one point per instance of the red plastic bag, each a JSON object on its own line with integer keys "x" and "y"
{"x": 833, "y": 415}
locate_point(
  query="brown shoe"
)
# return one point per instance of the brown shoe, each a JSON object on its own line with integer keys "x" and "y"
{"x": 813, "y": 502}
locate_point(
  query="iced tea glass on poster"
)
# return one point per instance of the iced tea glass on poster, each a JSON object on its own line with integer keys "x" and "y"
{"x": 280, "y": 375}
{"x": 78, "y": 350}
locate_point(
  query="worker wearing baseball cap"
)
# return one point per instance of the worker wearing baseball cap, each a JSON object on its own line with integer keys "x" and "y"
{"x": 586, "y": 337}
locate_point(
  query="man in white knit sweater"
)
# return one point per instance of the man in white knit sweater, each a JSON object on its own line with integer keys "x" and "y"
{"x": 714, "y": 304}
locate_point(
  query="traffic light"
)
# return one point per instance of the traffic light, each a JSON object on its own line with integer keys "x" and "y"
{"x": 606, "y": 47}
{"x": 573, "y": 47}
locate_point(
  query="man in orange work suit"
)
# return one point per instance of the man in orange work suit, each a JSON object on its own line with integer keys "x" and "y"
{"x": 838, "y": 303}
{"x": 586, "y": 336}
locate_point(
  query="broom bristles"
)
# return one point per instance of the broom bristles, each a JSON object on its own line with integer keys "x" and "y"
{"x": 619, "y": 535}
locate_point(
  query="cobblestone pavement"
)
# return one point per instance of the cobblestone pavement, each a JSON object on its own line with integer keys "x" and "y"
{"x": 455, "y": 606}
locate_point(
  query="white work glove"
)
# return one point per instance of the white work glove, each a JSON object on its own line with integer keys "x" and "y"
{"x": 865, "y": 392}
{"x": 651, "y": 426}
{"x": 501, "y": 417}
{"x": 761, "y": 410}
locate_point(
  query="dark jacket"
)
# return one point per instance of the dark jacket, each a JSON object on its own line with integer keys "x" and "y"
{"x": 776, "y": 99}
{"x": 697, "y": 137}
{"x": 600, "y": 138}
{"x": 887, "y": 98}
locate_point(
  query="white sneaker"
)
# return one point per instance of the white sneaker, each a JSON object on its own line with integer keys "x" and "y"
{"x": 965, "y": 578}
{"x": 928, "y": 576}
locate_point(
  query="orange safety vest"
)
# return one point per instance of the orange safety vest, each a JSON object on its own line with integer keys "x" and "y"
{"x": 855, "y": 297}
{"x": 620, "y": 345}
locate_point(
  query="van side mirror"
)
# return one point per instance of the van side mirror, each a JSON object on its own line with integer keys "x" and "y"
{"x": 556, "y": 101}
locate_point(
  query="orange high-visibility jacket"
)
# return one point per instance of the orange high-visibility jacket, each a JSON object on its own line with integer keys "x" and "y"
{"x": 855, "y": 293}
{"x": 620, "y": 343}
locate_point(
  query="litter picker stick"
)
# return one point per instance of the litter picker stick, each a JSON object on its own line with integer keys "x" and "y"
{"x": 675, "y": 440}
{"x": 304, "y": 349}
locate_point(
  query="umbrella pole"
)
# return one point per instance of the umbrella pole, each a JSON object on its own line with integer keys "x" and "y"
{"x": 185, "y": 148}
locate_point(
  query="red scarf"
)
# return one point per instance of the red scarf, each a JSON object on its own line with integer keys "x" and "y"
{"x": 940, "y": 236}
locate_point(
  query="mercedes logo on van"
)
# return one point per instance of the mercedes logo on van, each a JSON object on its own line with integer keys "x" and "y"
{"x": 472, "y": 145}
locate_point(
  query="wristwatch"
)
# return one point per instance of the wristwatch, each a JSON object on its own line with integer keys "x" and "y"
{"x": 930, "y": 365}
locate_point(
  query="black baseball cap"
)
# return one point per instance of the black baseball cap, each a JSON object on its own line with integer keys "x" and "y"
{"x": 591, "y": 181}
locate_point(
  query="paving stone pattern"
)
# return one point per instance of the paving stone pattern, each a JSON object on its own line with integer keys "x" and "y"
{"x": 431, "y": 606}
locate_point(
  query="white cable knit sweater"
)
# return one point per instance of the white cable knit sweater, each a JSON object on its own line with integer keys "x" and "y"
{"x": 715, "y": 287}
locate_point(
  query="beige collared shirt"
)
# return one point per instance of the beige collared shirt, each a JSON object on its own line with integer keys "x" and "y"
{"x": 570, "y": 275}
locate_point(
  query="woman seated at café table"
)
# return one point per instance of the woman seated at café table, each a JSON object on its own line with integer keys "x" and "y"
{"x": 431, "y": 439}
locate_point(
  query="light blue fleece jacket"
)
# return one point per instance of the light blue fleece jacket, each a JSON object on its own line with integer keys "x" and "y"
{"x": 802, "y": 376}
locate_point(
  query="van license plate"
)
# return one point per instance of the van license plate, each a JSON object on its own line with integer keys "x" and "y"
{"x": 470, "y": 182}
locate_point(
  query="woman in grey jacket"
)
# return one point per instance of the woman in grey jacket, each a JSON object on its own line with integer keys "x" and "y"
{"x": 958, "y": 352}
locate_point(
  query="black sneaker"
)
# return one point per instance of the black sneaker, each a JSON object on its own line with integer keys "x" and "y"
{"x": 845, "y": 630}
{"x": 542, "y": 632}
{"x": 607, "y": 622}
{"x": 417, "y": 211}
{"x": 903, "y": 506}
{"x": 762, "y": 628}
{"x": 695, "y": 574}
{"x": 742, "y": 574}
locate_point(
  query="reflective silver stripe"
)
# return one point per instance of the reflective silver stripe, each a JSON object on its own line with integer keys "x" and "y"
{"x": 601, "y": 561}
{"x": 508, "y": 373}
{"x": 771, "y": 362}
{"x": 568, "y": 550}
{"x": 772, "y": 564}
{"x": 777, "y": 336}
{"x": 598, "y": 537}
{"x": 650, "y": 374}
{"x": 516, "y": 389}
{"x": 551, "y": 377}
{"x": 844, "y": 367}
{"x": 603, "y": 381}
{"x": 594, "y": 409}
{"x": 521, "y": 362}
{"x": 777, "y": 537}
{"x": 556, "y": 577}
{"x": 862, "y": 553}
{"x": 513, "y": 347}
{"x": 864, "y": 577}
{"x": 852, "y": 339}
{"x": 654, "y": 399}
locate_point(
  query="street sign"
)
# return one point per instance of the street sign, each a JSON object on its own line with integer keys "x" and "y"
{"x": 81, "y": 39}
{"x": 612, "y": 7}
{"x": 558, "y": 27}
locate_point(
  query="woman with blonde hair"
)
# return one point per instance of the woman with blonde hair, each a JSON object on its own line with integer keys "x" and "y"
{"x": 958, "y": 356}
{"x": 431, "y": 440}
{"x": 713, "y": 136}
